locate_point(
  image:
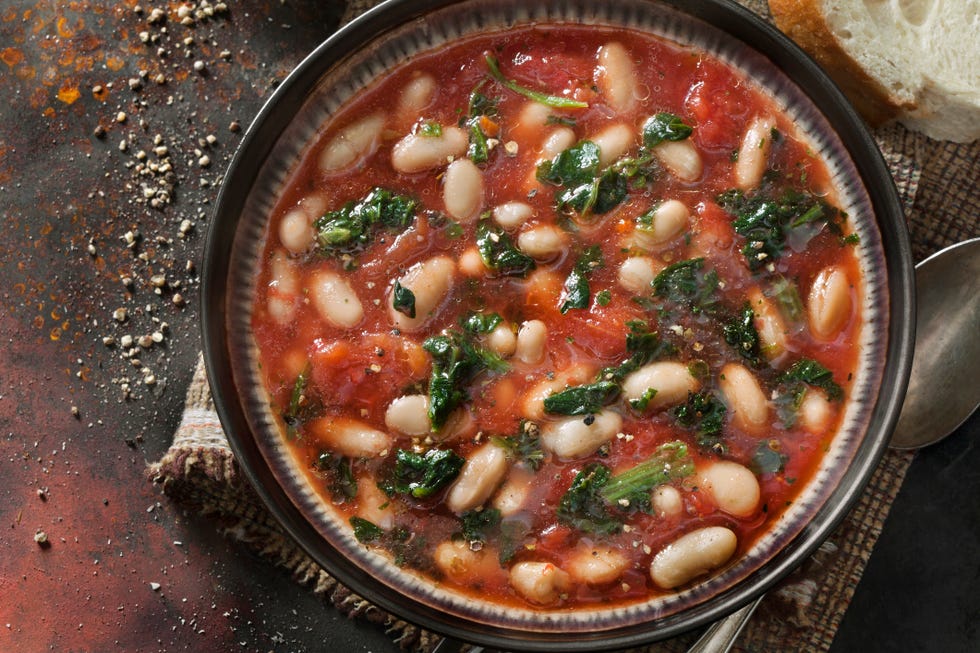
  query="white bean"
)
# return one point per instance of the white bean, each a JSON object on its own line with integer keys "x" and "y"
{"x": 283, "y": 287}
{"x": 671, "y": 380}
{"x": 637, "y": 273}
{"x": 576, "y": 374}
{"x": 462, "y": 190}
{"x": 539, "y": 582}
{"x": 352, "y": 144}
{"x": 502, "y": 340}
{"x": 829, "y": 303}
{"x": 769, "y": 324}
{"x": 373, "y": 504}
{"x": 667, "y": 221}
{"x": 409, "y": 415}
{"x": 542, "y": 242}
{"x": 335, "y": 300}
{"x": 615, "y": 77}
{"x": 667, "y": 501}
{"x": 351, "y": 437}
{"x": 559, "y": 140}
{"x": 315, "y": 205}
{"x": 542, "y": 288}
{"x": 692, "y": 555}
{"x": 732, "y": 487}
{"x": 816, "y": 412}
{"x": 681, "y": 158}
{"x": 512, "y": 214}
{"x": 753, "y": 154}
{"x": 471, "y": 263}
{"x": 533, "y": 116}
{"x": 745, "y": 398}
{"x": 613, "y": 141}
{"x": 580, "y": 436}
{"x": 417, "y": 152}
{"x": 416, "y": 96}
{"x": 458, "y": 561}
{"x": 479, "y": 478}
{"x": 430, "y": 281}
{"x": 512, "y": 495}
{"x": 597, "y": 564}
{"x": 460, "y": 424}
{"x": 296, "y": 231}
{"x": 531, "y": 340}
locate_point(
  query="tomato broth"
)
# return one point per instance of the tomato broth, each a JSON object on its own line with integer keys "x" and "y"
{"x": 547, "y": 314}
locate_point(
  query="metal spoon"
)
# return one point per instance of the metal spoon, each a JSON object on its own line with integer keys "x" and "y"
{"x": 942, "y": 392}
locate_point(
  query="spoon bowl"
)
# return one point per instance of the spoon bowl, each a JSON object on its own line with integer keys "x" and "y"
{"x": 943, "y": 391}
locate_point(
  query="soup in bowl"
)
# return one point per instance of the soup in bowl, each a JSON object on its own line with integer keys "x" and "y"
{"x": 551, "y": 325}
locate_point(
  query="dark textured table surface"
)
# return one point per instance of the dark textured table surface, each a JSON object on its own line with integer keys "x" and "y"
{"x": 116, "y": 125}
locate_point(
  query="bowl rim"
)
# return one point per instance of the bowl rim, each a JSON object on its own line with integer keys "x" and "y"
{"x": 738, "y": 22}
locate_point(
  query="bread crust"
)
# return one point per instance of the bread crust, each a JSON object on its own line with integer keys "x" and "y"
{"x": 804, "y": 22}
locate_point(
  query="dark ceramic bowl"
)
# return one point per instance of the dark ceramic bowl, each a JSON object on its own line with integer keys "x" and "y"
{"x": 389, "y": 35}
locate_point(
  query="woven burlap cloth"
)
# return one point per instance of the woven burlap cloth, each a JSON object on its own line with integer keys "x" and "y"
{"x": 938, "y": 185}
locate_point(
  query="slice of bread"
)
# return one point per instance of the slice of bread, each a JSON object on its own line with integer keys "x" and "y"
{"x": 914, "y": 60}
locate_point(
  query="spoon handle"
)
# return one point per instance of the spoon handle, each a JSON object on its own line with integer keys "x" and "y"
{"x": 720, "y": 636}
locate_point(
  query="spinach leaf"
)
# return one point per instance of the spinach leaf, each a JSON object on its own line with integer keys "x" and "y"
{"x": 765, "y": 220}
{"x": 576, "y": 290}
{"x": 767, "y": 459}
{"x": 576, "y": 169}
{"x": 339, "y": 471}
{"x": 455, "y": 361}
{"x": 810, "y": 372}
{"x": 353, "y": 227}
{"x": 480, "y": 107}
{"x": 560, "y": 120}
{"x": 643, "y": 402}
{"x": 478, "y": 150}
{"x": 513, "y": 533}
{"x": 684, "y": 283}
{"x": 422, "y": 475}
{"x": 403, "y": 300}
{"x": 525, "y": 446}
{"x": 481, "y": 104}
{"x": 297, "y": 396}
{"x": 664, "y": 127}
{"x": 498, "y": 252}
{"x": 431, "y": 129}
{"x": 583, "y": 188}
{"x": 644, "y": 346}
{"x": 638, "y": 170}
{"x": 299, "y": 407}
{"x": 630, "y": 490}
{"x": 705, "y": 413}
{"x": 477, "y": 524}
{"x": 582, "y": 506}
{"x": 366, "y": 531}
{"x": 582, "y": 399}
{"x": 543, "y": 98}
{"x": 740, "y": 333}
{"x": 787, "y": 298}
{"x": 804, "y": 373}
{"x": 610, "y": 191}
{"x": 480, "y": 323}
{"x": 407, "y": 548}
